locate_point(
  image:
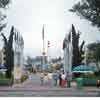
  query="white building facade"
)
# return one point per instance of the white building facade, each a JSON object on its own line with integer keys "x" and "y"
{"x": 18, "y": 45}
{"x": 67, "y": 47}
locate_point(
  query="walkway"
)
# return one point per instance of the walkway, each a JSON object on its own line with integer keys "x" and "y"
{"x": 32, "y": 87}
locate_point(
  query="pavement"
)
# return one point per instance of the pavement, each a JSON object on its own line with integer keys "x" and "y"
{"x": 32, "y": 87}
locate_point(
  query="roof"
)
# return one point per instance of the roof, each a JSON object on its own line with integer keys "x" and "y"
{"x": 83, "y": 68}
{"x": 2, "y": 66}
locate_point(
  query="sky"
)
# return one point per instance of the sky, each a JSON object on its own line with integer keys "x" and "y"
{"x": 28, "y": 16}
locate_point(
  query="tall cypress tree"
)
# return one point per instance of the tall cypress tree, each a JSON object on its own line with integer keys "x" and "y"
{"x": 3, "y": 4}
{"x": 77, "y": 50}
{"x": 9, "y": 54}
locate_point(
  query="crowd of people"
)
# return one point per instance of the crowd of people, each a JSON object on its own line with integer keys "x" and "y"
{"x": 58, "y": 79}
{"x": 54, "y": 79}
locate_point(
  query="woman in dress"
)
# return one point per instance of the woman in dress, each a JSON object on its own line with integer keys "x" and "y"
{"x": 63, "y": 82}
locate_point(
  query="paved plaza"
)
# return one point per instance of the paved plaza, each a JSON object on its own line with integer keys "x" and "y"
{"x": 32, "y": 88}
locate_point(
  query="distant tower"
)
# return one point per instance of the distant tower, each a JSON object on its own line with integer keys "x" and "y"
{"x": 43, "y": 52}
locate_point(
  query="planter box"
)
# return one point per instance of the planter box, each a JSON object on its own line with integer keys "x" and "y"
{"x": 5, "y": 82}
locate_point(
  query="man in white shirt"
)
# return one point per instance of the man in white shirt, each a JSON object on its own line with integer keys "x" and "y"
{"x": 63, "y": 76}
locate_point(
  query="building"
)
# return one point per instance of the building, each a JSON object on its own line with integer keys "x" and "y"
{"x": 2, "y": 56}
{"x": 38, "y": 62}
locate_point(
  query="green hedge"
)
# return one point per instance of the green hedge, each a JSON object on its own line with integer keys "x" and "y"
{"x": 5, "y": 82}
{"x": 89, "y": 79}
{"x": 2, "y": 76}
{"x": 89, "y": 82}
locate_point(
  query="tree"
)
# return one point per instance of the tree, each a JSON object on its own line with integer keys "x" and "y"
{"x": 89, "y": 57}
{"x": 9, "y": 53}
{"x": 77, "y": 50}
{"x": 88, "y": 9}
{"x": 7, "y": 45}
{"x": 55, "y": 60}
{"x": 3, "y": 4}
{"x": 94, "y": 54}
{"x": 97, "y": 57}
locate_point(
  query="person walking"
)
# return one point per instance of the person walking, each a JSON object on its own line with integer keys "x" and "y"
{"x": 68, "y": 79}
{"x": 50, "y": 79}
{"x": 42, "y": 78}
{"x": 63, "y": 82}
{"x": 55, "y": 78}
{"x": 46, "y": 79}
{"x": 60, "y": 79}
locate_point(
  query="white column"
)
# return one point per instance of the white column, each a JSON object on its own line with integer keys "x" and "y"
{"x": 70, "y": 57}
{"x": 66, "y": 60}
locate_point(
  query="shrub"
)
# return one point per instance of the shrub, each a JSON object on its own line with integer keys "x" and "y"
{"x": 89, "y": 75}
{"x": 5, "y": 82}
{"x": 23, "y": 78}
{"x": 97, "y": 74}
{"x": 2, "y": 75}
